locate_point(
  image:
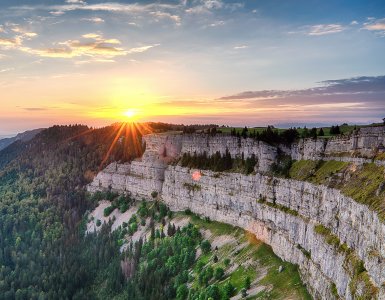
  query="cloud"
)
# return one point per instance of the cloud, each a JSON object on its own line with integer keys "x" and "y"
{"x": 141, "y": 49}
{"x": 165, "y": 15}
{"x": 96, "y": 20}
{"x": 376, "y": 25}
{"x": 323, "y": 29}
{"x": 35, "y": 108}
{"x": 241, "y": 47}
{"x": 212, "y": 4}
{"x": 358, "y": 88}
{"x": 57, "y": 13}
{"x": 6, "y": 70}
{"x": 10, "y": 42}
{"x": 217, "y": 23}
{"x": 359, "y": 99}
{"x": 100, "y": 49}
{"x": 75, "y": 2}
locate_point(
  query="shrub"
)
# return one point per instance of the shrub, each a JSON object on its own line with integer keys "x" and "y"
{"x": 108, "y": 210}
{"x": 227, "y": 262}
{"x": 218, "y": 273}
{"x": 205, "y": 246}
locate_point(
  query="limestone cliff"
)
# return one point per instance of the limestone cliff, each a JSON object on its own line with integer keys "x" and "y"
{"x": 338, "y": 243}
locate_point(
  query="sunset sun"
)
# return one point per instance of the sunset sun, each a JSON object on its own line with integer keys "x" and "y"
{"x": 130, "y": 114}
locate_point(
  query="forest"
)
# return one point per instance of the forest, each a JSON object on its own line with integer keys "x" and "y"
{"x": 43, "y": 252}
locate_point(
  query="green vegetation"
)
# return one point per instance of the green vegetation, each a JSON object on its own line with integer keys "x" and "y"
{"x": 316, "y": 171}
{"x": 334, "y": 291}
{"x": 365, "y": 184}
{"x": 192, "y": 187}
{"x": 219, "y": 162}
{"x": 331, "y": 238}
{"x": 43, "y": 251}
{"x": 278, "y": 206}
{"x": 282, "y": 166}
{"x": 205, "y": 246}
{"x": 211, "y": 277}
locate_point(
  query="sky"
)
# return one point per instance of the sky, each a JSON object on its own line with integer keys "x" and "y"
{"x": 248, "y": 62}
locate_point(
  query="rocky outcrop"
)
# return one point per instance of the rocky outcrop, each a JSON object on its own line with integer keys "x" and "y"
{"x": 338, "y": 243}
{"x": 283, "y": 213}
{"x": 238, "y": 147}
{"x": 363, "y": 143}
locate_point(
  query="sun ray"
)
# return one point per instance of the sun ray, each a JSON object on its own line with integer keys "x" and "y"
{"x": 112, "y": 146}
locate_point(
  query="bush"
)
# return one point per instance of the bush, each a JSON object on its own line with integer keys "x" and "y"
{"x": 98, "y": 222}
{"x": 228, "y": 289}
{"x": 227, "y": 262}
{"x": 108, "y": 210}
{"x": 247, "y": 283}
{"x": 218, "y": 273}
{"x": 205, "y": 246}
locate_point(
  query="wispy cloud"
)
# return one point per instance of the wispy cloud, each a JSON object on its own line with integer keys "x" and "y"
{"x": 241, "y": 47}
{"x": 35, "y": 108}
{"x": 165, "y": 15}
{"x": 142, "y": 49}
{"x": 6, "y": 70}
{"x": 322, "y": 29}
{"x": 75, "y": 1}
{"x": 375, "y": 25}
{"x": 96, "y": 20}
{"x": 92, "y": 45}
{"x": 218, "y": 23}
{"x": 330, "y": 90}
{"x": 10, "y": 42}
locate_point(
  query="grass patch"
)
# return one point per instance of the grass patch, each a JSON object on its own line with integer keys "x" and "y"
{"x": 302, "y": 169}
{"x": 284, "y": 283}
{"x": 365, "y": 184}
{"x": 326, "y": 169}
{"x": 216, "y": 228}
{"x": 280, "y": 207}
{"x": 331, "y": 238}
{"x": 316, "y": 171}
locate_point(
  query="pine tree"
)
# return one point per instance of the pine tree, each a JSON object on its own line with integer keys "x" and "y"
{"x": 321, "y": 132}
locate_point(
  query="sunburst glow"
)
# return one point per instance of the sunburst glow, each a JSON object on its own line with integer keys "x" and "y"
{"x": 130, "y": 114}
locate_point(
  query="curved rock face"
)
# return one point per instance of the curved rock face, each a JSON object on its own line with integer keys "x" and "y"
{"x": 338, "y": 243}
{"x": 286, "y": 219}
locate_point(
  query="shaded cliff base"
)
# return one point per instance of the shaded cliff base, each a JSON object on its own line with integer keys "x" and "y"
{"x": 233, "y": 249}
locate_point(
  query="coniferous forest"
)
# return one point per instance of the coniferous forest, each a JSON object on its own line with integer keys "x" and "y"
{"x": 43, "y": 251}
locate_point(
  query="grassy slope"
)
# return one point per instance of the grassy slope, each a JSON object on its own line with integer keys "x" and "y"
{"x": 365, "y": 184}
{"x": 248, "y": 258}
{"x": 252, "y": 258}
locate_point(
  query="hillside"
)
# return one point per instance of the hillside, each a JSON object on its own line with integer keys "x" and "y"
{"x": 225, "y": 261}
{"x": 24, "y": 137}
{"x": 42, "y": 202}
{"x": 317, "y": 202}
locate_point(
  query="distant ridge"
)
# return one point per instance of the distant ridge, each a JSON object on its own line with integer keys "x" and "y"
{"x": 24, "y": 137}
